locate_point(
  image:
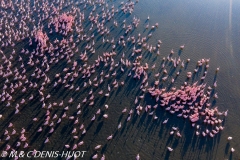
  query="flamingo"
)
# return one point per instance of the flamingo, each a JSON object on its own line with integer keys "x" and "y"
{"x": 165, "y": 121}
{"x": 170, "y": 149}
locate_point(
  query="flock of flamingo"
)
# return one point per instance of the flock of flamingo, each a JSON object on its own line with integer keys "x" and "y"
{"x": 39, "y": 37}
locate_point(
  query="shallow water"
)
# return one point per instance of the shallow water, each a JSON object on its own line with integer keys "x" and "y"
{"x": 209, "y": 29}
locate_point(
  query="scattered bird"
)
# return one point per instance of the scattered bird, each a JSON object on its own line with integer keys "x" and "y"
{"x": 165, "y": 121}
{"x": 229, "y": 138}
{"x": 170, "y": 149}
{"x": 56, "y": 57}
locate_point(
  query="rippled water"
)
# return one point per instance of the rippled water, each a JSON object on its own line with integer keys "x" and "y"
{"x": 209, "y": 29}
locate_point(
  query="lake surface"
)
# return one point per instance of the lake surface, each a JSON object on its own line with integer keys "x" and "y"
{"x": 207, "y": 29}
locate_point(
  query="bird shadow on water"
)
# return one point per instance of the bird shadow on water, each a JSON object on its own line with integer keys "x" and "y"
{"x": 179, "y": 52}
{"x": 98, "y": 129}
{"x": 186, "y": 65}
{"x": 227, "y": 147}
